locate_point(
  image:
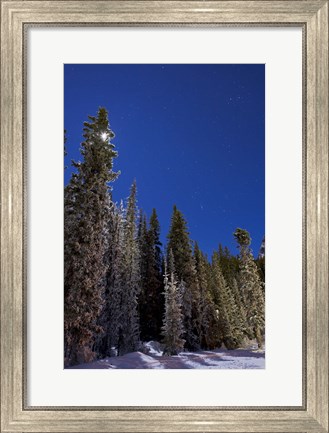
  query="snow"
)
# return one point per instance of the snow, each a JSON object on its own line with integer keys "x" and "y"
{"x": 222, "y": 360}
{"x": 153, "y": 348}
{"x": 150, "y": 361}
{"x": 249, "y": 358}
{"x": 114, "y": 351}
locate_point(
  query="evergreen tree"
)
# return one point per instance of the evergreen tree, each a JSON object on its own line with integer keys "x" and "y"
{"x": 154, "y": 233}
{"x": 251, "y": 287}
{"x": 142, "y": 237}
{"x": 172, "y": 329}
{"x": 180, "y": 245}
{"x": 239, "y": 315}
{"x": 223, "y": 302}
{"x": 110, "y": 319}
{"x": 85, "y": 217}
{"x": 207, "y": 310}
{"x": 129, "y": 335}
{"x": 151, "y": 299}
{"x": 143, "y": 297}
{"x": 260, "y": 262}
{"x": 229, "y": 264}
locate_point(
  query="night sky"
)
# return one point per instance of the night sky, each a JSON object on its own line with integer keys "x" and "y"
{"x": 191, "y": 135}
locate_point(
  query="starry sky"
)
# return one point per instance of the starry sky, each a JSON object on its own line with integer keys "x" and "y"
{"x": 191, "y": 135}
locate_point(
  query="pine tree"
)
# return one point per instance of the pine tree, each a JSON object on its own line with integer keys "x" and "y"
{"x": 207, "y": 310}
{"x": 261, "y": 261}
{"x": 229, "y": 265}
{"x": 223, "y": 302}
{"x": 151, "y": 299}
{"x": 251, "y": 287}
{"x": 239, "y": 314}
{"x": 142, "y": 240}
{"x": 143, "y": 296}
{"x": 180, "y": 245}
{"x": 129, "y": 335}
{"x": 85, "y": 217}
{"x": 172, "y": 329}
{"x": 110, "y": 318}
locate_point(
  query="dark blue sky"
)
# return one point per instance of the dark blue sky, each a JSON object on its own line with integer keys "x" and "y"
{"x": 191, "y": 135}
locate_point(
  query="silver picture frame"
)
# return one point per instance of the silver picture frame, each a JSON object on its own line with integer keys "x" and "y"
{"x": 16, "y": 18}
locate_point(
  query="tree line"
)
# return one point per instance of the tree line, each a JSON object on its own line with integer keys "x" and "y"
{"x": 121, "y": 287}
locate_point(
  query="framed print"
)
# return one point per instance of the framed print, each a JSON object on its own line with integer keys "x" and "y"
{"x": 112, "y": 318}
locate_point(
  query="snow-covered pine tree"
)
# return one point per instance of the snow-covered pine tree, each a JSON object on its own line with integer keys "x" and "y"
{"x": 207, "y": 310}
{"x": 143, "y": 296}
{"x": 229, "y": 265}
{"x": 251, "y": 287}
{"x": 114, "y": 260}
{"x": 129, "y": 335}
{"x": 260, "y": 261}
{"x": 151, "y": 299}
{"x": 239, "y": 314}
{"x": 173, "y": 328}
{"x": 116, "y": 281}
{"x": 222, "y": 301}
{"x": 180, "y": 245}
{"x": 142, "y": 244}
{"x": 155, "y": 259}
{"x": 85, "y": 218}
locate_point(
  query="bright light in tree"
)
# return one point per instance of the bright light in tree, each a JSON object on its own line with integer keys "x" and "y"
{"x": 104, "y": 136}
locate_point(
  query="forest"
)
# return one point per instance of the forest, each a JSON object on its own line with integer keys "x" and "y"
{"x": 122, "y": 287}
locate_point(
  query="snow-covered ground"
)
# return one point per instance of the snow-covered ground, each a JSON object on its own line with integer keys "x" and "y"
{"x": 249, "y": 358}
